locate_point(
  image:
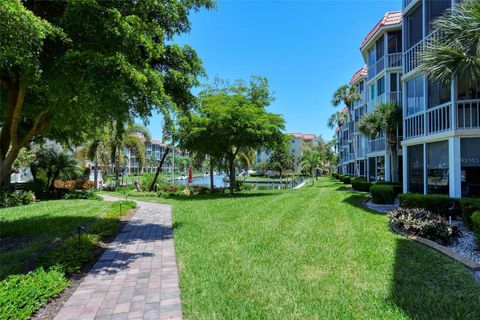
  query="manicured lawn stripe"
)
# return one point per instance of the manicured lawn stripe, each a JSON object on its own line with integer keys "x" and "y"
{"x": 312, "y": 253}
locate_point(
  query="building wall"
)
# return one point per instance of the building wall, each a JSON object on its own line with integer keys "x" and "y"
{"x": 441, "y": 122}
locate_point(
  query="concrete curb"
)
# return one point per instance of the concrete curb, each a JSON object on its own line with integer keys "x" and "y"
{"x": 472, "y": 265}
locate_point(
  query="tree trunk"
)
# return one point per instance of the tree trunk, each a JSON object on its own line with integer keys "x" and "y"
{"x": 95, "y": 173}
{"x": 159, "y": 169}
{"x": 211, "y": 176}
{"x": 354, "y": 147}
{"x": 394, "y": 164}
{"x": 232, "y": 173}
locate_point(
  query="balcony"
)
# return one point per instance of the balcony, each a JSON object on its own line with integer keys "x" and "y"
{"x": 392, "y": 60}
{"x": 411, "y": 56}
{"x": 361, "y": 152}
{"x": 438, "y": 119}
{"x": 406, "y": 3}
{"x": 376, "y": 145}
{"x": 468, "y": 114}
{"x": 360, "y": 101}
{"x": 414, "y": 126}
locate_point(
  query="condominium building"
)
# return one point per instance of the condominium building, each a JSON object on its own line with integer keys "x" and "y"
{"x": 298, "y": 142}
{"x": 377, "y": 82}
{"x": 154, "y": 150}
{"x": 439, "y": 146}
{"x": 441, "y": 126}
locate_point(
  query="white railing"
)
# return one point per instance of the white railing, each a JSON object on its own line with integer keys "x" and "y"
{"x": 376, "y": 145}
{"x": 414, "y": 126}
{"x": 361, "y": 153}
{"x": 396, "y": 97}
{"x": 468, "y": 114}
{"x": 438, "y": 119}
{"x": 411, "y": 56}
{"x": 394, "y": 60}
{"x": 406, "y": 3}
{"x": 372, "y": 103}
{"x": 376, "y": 68}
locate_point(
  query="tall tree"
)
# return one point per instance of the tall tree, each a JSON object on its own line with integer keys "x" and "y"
{"x": 232, "y": 119}
{"x": 387, "y": 118}
{"x": 347, "y": 95}
{"x": 457, "y": 51}
{"x": 311, "y": 160}
{"x": 337, "y": 119}
{"x": 72, "y": 66}
{"x": 281, "y": 160}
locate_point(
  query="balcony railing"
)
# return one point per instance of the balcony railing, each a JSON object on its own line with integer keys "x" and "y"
{"x": 396, "y": 97}
{"x": 376, "y": 145}
{"x": 360, "y": 101}
{"x": 406, "y": 3}
{"x": 372, "y": 103}
{"x": 414, "y": 126}
{"x": 411, "y": 56}
{"x": 468, "y": 114}
{"x": 438, "y": 119}
{"x": 391, "y": 60}
{"x": 394, "y": 60}
{"x": 361, "y": 152}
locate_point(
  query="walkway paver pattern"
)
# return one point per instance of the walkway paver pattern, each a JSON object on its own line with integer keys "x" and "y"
{"x": 136, "y": 277}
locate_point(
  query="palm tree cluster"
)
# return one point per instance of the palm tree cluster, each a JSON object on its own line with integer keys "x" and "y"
{"x": 456, "y": 52}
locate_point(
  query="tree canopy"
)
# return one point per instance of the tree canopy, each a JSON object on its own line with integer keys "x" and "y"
{"x": 230, "y": 119}
{"x": 67, "y": 67}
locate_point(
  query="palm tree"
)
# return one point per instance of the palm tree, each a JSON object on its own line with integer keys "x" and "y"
{"x": 347, "y": 95}
{"x": 387, "y": 118}
{"x": 456, "y": 52}
{"x": 337, "y": 119}
{"x": 311, "y": 160}
{"x": 134, "y": 137}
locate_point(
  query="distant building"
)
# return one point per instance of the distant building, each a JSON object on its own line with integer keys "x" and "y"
{"x": 298, "y": 143}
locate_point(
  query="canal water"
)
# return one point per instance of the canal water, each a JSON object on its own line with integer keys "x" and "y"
{"x": 218, "y": 182}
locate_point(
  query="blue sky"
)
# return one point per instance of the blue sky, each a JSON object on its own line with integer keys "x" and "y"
{"x": 306, "y": 49}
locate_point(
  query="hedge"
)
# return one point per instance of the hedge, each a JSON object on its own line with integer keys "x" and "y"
{"x": 361, "y": 184}
{"x": 469, "y": 206}
{"x": 397, "y": 187}
{"x": 435, "y": 203}
{"x": 347, "y": 179}
{"x": 382, "y": 194}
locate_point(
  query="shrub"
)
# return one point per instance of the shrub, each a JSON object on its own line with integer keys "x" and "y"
{"x": 200, "y": 189}
{"x": 361, "y": 184}
{"x": 398, "y": 188}
{"x": 435, "y": 203}
{"x": 82, "y": 194}
{"x": 169, "y": 188}
{"x": 382, "y": 194}
{"x": 23, "y": 294}
{"x": 16, "y": 198}
{"x": 346, "y": 179}
{"x": 476, "y": 224}
{"x": 469, "y": 206}
{"x": 421, "y": 222}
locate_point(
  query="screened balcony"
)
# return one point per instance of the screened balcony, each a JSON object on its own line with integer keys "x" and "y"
{"x": 376, "y": 145}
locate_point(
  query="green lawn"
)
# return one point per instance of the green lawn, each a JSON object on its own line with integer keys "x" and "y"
{"x": 34, "y": 226}
{"x": 40, "y": 246}
{"x": 312, "y": 253}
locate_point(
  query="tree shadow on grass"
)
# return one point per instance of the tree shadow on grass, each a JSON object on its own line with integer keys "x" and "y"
{"x": 428, "y": 285}
{"x": 357, "y": 201}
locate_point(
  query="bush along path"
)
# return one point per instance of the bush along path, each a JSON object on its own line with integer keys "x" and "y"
{"x": 136, "y": 277}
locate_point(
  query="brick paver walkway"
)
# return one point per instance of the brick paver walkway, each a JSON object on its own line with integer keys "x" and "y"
{"x": 136, "y": 277}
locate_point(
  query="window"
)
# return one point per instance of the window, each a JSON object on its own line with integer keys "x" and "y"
{"x": 414, "y": 27}
{"x": 380, "y": 46}
{"x": 361, "y": 86}
{"x": 380, "y": 86}
{"x": 470, "y": 161}
{"x": 436, "y": 8}
{"x": 415, "y": 95}
{"x": 438, "y": 93}
{"x": 372, "y": 92}
{"x": 394, "y": 42}
{"x": 371, "y": 57}
{"x": 437, "y": 169}
{"x": 468, "y": 91}
{"x": 393, "y": 82}
{"x": 415, "y": 168}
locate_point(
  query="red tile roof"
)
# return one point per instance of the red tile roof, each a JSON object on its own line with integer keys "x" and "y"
{"x": 359, "y": 74}
{"x": 308, "y": 136}
{"x": 389, "y": 19}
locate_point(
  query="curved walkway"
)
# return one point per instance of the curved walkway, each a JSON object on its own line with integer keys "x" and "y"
{"x": 136, "y": 277}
